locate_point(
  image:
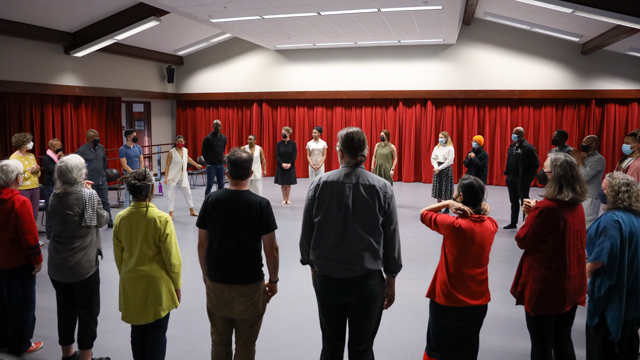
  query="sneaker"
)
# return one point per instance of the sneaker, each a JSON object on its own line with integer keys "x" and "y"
{"x": 34, "y": 347}
{"x": 511, "y": 226}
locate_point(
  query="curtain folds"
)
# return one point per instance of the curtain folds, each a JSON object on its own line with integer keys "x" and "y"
{"x": 63, "y": 116}
{"x": 414, "y": 125}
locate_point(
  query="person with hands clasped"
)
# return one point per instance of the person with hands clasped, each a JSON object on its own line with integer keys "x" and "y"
{"x": 30, "y": 188}
{"x": 477, "y": 161}
{"x": 385, "y": 157}
{"x": 459, "y": 291}
{"x": 316, "y": 154}
{"x": 176, "y": 175}
{"x": 286, "y": 154}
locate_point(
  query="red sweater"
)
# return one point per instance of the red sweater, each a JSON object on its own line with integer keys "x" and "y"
{"x": 551, "y": 277}
{"x": 461, "y": 278}
{"x": 19, "y": 241}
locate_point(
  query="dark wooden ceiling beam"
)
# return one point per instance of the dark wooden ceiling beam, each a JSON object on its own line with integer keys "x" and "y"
{"x": 608, "y": 38}
{"x": 33, "y": 32}
{"x": 469, "y": 12}
{"x": 144, "y": 54}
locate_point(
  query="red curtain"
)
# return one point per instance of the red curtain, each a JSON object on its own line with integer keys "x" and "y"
{"x": 414, "y": 125}
{"x": 60, "y": 116}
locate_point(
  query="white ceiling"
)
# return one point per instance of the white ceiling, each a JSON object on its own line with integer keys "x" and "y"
{"x": 188, "y": 24}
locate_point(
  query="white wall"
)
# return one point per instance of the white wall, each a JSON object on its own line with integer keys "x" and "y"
{"x": 33, "y": 61}
{"x": 486, "y": 56}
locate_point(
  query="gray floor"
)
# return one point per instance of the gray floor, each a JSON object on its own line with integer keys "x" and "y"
{"x": 291, "y": 330}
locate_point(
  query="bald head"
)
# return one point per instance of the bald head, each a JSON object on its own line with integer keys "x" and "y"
{"x": 519, "y": 131}
{"x": 217, "y": 125}
{"x": 90, "y": 135}
{"x": 592, "y": 141}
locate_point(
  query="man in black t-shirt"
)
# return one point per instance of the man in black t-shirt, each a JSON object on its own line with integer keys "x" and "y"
{"x": 522, "y": 165}
{"x": 234, "y": 224}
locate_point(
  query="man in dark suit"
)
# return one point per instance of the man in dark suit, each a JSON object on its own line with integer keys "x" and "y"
{"x": 522, "y": 165}
{"x": 96, "y": 161}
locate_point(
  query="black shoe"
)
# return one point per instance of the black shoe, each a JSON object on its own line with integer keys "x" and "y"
{"x": 110, "y": 225}
{"x": 511, "y": 226}
{"x": 101, "y": 358}
{"x": 75, "y": 356}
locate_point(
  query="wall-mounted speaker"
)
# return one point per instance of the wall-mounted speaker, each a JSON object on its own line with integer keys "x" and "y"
{"x": 171, "y": 74}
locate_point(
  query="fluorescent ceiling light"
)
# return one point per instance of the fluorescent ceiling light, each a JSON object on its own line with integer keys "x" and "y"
{"x": 204, "y": 44}
{"x": 84, "y": 50}
{"x": 608, "y": 19}
{"x": 340, "y": 43}
{"x": 416, "y": 41}
{"x": 138, "y": 27}
{"x": 236, "y": 19}
{"x": 556, "y": 34}
{"x": 548, "y": 6}
{"x": 288, "y": 15}
{"x": 507, "y": 22}
{"x": 340, "y": 12}
{"x": 633, "y": 51}
{"x": 414, "y": 8}
{"x": 377, "y": 42}
{"x": 296, "y": 45}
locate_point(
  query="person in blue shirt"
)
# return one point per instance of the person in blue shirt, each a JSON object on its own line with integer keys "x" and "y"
{"x": 613, "y": 270}
{"x": 130, "y": 158}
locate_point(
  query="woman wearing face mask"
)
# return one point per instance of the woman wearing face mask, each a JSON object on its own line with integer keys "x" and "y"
{"x": 442, "y": 159}
{"x": 631, "y": 149}
{"x": 176, "y": 175}
{"x": 49, "y": 162}
{"x": 459, "y": 290}
{"x": 31, "y": 186}
{"x": 385, "y": 157}
{"x": 259, "y": 165}
{"x": 316, "y": 154}
{"x": 286, "y": 153}
{"x": 551, "y": 280}
{"x": 477, "y": 161}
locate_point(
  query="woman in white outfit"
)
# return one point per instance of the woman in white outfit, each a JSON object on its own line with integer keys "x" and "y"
{"x": 316, "y": 154}
{"x": 442, "y": 161}
{"x": 259, "y": 166}
{"x": 176, "y": 175}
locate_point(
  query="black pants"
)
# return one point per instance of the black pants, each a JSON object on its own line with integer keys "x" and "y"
{"x": 551, "y": 336}
{"x": 358, "y": 301}
{"x": 17, "y": 308}
{"x": 518, "y": 191}
{"x": 78, "y": 302}
{"x": 454, "y": 331}
{"x": 48, "y": 190}
{"x": 149, "y": 341}
{"x": 103, "y": 193}
{"x": 600, "y": 347}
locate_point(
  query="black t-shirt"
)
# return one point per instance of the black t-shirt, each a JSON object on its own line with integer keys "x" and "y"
{"x": 513, "y": 163}
{"x": 235, "y": 221}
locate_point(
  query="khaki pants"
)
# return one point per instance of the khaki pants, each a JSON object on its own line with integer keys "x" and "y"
{"x": 238, "y": 308}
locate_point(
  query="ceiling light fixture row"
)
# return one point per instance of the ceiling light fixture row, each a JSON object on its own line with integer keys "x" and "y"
{"x": 580, "y": 13}
{"x": 326, "y": 13}
{"x": 204, "y": 44}
{"x": 361, "y": 43}
{"x": 115, "y": 37}
{"x": 531, "y": 26}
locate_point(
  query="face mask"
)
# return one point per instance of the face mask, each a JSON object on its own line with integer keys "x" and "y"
{"x": 59, "y": 150}
{"x": 30, "y": 145}
{"x": 585, "y": 148}
{"x": 284, "y": 135}
{"x": 555, "y": 142}
{"x": 602, "y": 197}
{"x": 474, "y": 145}
{"x": 441, "y": 141}
{"x": 382, "y": 138}
{"x": 543, "y": 179}
{"x": 626, "y": 149}
{"x": 96, "y": 142}
{"x": 514, "y": 137}
{"x": 134, "y": 139}
{"x": 180, "y": 145}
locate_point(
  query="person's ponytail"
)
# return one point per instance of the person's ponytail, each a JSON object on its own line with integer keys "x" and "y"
{"x": 353, "y": 143}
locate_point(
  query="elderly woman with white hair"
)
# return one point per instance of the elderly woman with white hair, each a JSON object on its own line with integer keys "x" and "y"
{"x": 20, "y": 260}
{"x": 76, "y": 214}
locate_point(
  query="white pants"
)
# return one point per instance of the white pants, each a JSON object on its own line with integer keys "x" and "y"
{"x": 315, "y": 173}
{"x": 591, "y": 210}
{"x": 255, "y": 186}
{"x": 186, "y": 192}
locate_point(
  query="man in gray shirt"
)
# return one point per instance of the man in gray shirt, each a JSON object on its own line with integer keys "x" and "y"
{"x": 349, "y": 235}
{"x": 592, "y": 166}
{"x": 96, "y": 159}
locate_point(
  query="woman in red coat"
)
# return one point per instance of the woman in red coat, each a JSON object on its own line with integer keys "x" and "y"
{"x": 551, "y": 278}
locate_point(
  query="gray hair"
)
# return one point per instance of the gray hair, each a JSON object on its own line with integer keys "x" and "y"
{"x": 623, "y": 192}
{"x": 9, "y": 171}
{"x": 69, "y": 173}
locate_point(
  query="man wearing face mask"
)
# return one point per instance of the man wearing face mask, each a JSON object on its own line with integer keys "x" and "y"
{"x": 477, "y": 161}
{"x": 522, "y": 164}
{"x": 95, "y": 159}
{"x": 559, "y": 140}
{"x": 213, "y": 147}
{"x": 592, "y": 166}
{"x": 131, "y": 158}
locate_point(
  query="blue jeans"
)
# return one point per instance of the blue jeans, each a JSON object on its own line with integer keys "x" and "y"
{"x": 17, "y": 308}
{"x": 149, "y": 341}
{"x": 214, "y": 172}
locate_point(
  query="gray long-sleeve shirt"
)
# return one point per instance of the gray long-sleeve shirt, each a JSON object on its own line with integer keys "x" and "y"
{"x": 350, "y": 225}
{"x": 592, "y": 172}
{"x": 96, "y": 162}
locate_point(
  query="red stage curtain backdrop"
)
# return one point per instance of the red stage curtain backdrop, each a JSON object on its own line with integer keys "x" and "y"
{"x": 414, "y": 125}
{"x": 60, "y": 116}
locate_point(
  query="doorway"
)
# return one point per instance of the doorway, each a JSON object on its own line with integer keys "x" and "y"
{"x": 137, "y": 116}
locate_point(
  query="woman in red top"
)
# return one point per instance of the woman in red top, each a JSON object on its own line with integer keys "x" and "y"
{"x": 459, "y": 291}
{"x": 551, "y": 278}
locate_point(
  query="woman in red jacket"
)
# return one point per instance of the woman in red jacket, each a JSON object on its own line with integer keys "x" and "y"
{"x": 551, "y": 278}
{"x": 459, "y": 291}
{"x": 20, "y": 260}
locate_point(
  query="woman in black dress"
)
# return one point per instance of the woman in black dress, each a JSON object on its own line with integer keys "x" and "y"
{"x": 286, "y": 153}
